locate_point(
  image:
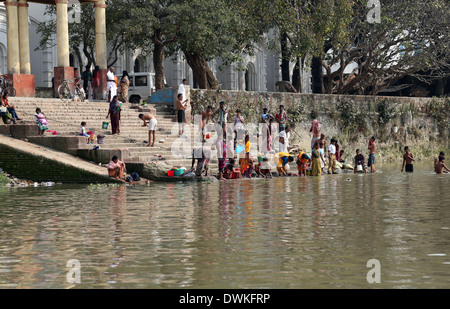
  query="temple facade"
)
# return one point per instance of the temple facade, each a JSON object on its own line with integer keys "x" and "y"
{"x": 19, "y": 20}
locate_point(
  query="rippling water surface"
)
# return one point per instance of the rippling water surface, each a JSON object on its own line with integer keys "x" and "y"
{"x": 280, "y": 233}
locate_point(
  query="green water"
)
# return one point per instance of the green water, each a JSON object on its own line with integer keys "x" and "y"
{"x": 314, "y": 232}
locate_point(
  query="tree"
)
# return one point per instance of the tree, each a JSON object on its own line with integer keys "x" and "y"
{"x": 412, "y": 39}
{"x": 306, "y": 28}
{"x": 223, "y": 29}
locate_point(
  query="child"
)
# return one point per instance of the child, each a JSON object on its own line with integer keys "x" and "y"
{"x": 359, "y": 161}
{"x": 408, "y": 159}
{"x": 41, "y": 122}
{"x": 332, "y": 157}
{"x": 83, "y": 131}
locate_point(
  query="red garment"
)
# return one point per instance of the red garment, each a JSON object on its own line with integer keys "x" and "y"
{"x": 96, "y": 79}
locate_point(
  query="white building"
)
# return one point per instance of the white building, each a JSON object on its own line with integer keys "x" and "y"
{"x": 263, "y": 69}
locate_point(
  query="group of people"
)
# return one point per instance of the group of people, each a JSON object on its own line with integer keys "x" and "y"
{"x": 314, "y": 161}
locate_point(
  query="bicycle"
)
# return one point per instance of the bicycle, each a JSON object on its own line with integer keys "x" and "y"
{"x": 65, "y": 93}
{"x": 6, "y": 87}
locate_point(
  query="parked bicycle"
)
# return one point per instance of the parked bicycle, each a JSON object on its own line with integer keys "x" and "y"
{"x": 6, "y": 87}
{"x": 65, "y": 92}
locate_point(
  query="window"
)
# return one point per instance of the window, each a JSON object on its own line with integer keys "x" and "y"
{"x": 141, "y": 81}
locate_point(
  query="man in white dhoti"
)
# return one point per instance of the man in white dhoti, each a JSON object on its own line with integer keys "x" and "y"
{"x": 182, "y": 90}
{"x": 111, "y": 86}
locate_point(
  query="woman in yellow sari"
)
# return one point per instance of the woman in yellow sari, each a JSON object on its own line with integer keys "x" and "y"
{"x": 316, "y": 169}
{"x": 124, "y": 86}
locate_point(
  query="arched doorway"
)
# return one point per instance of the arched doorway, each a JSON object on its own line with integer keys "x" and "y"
{"x": 138, "y": 65}
{"x": 250, "y": 77}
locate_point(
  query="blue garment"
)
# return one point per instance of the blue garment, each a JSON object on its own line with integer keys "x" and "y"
{"x": 371, "y": 160}
{"x": 285, "y": 160}
{"x": 13, "y": 113}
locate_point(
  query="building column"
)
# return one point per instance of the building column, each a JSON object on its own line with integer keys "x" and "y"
{"x": 100, "y": 46}
{"x": 62, "y": 33}
{"x": 100, "y": 34}
{"x": 12, "y": 37}
{"x": 24, "y": 37}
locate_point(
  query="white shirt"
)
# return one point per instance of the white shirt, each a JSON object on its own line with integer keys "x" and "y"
{"x": 284, "y": 147}
{"x": 182, "y": 90}
{"x": 111, "y": 80}
{"x": 332, "y": 149}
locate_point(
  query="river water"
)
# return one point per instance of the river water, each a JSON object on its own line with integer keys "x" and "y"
{"x": 313, "y": 232}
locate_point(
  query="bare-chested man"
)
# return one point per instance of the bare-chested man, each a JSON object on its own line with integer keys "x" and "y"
{"x": 372, "y": 147}
{"x": 408, "y": 160}
{"x": 206, "y": 117}
{"x": 439, "y": 164}
{"x": 152, "y": 122}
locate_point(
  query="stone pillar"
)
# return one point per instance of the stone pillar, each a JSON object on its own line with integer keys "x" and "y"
{"x": 100, "y": 45}
{"x": 100, "y": 34}
{"x": 62, "y": 33}
{"x": 12, "y": 37}
{"x": 24, "y": 38}
{"x": 63, "y": 70}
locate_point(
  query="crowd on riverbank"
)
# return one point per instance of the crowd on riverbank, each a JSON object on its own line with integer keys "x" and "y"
{"x": 326, "y": 156}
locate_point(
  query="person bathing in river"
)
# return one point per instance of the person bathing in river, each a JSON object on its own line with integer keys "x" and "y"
{"x": 408, "y": 160}
{"x": 372, "y": 147}
{"x": 439, "y": 164}
{"x": 359, "y": 161}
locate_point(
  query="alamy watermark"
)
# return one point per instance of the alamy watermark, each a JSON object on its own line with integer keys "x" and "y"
{"x": 74, "y": 11}
{"x": 374, "y": 14}
{"x": 374, "y": 275}
{"x": 74, "y": 274}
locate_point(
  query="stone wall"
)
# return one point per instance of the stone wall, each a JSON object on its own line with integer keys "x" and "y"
{"x": 36, "y": 163}
{"x": 422, "y": 123}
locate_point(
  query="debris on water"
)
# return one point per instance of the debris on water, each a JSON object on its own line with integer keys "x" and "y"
{"x": 437, "y": 254}
{"x": 348, "y": 179}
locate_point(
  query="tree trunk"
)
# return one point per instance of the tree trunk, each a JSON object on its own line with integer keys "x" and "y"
{"x": 297, "y": 76}
{"x": 202, "y": 73}
{"x": 317, "y": 75}
{"x": 158, "y": 64}
{"x": 285, "y": 76}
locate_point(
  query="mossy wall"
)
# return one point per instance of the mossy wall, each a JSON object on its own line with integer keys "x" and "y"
{"x": 25, "y": 165}
{"x": 422, "y": 123}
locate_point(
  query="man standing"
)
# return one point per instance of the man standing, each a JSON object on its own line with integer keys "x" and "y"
{"x": 111, "y": 86}
{"x": 182, "y": 90}
{"x": 223, "y": 115}
{"x": 86, "y": 76}
{"x": 284, "y": 139}
{"x": 332, "y": 157}
{"x": 152, "y": 122}
{"x": 281, "y": 118}
{"x": 408, "y": 159}
{"x": 206, "y": 117}
{"x": 372, "y": 147}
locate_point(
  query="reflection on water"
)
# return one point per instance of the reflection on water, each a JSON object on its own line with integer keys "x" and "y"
{"x": 314, "y": 232}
